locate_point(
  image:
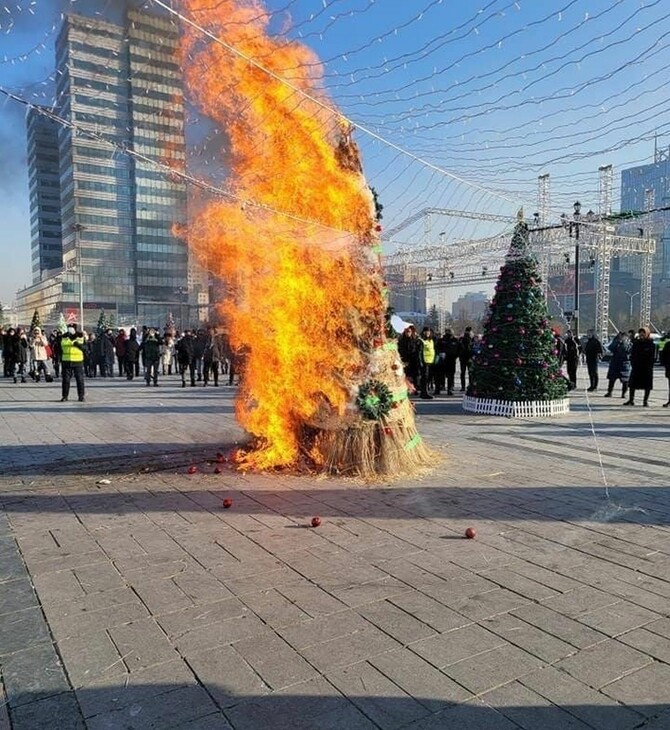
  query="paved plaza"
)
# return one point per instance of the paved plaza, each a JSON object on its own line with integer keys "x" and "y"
{"x": 139, "y": 602}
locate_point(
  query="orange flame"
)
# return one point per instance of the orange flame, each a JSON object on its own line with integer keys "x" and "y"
{"x": 303, "y": 296}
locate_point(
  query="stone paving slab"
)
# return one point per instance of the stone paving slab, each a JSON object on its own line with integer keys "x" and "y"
{"x": 142, "y": 603}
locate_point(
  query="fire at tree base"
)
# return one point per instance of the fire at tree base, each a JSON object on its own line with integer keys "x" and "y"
{"x": 377, "y": 437}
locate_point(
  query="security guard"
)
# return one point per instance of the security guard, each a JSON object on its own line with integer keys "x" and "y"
{"x": 72, "y": 358}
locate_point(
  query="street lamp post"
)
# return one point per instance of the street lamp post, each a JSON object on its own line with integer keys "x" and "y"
{"x": 78, "y": 228}
{"x": 632, "y": 296}
{"x": 577, "y": 214}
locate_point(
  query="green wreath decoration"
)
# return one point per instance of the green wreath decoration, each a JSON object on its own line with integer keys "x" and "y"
{"x": 374, "y": 399}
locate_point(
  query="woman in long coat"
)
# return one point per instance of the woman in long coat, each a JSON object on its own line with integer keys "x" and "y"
{"x": 642, "y": 362}
{"x": 619, "y": 368}
{"x": 665, "y": 360}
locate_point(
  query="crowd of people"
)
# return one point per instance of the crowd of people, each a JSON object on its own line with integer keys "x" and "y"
{"x": 201, "y": 355}
{"x": 431, "y": 360}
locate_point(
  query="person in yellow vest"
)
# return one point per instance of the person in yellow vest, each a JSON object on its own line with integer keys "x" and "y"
{"x": 427, "y": 360}
{"x": 72, "y": 358}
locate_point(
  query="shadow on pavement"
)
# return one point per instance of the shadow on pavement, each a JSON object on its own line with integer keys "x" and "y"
{"x": 322, "y": 707}
{"x": 625, "y": 504}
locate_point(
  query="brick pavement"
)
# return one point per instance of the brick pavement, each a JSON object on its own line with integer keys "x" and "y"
{"x": 143, "y": 604}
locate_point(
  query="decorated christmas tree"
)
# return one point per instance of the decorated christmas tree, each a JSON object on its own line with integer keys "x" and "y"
{"x": 36, "y": 321}
{"x": 62, "y": 326}
{"x": 518, "y": 361}
{"x": 105, "y": 322}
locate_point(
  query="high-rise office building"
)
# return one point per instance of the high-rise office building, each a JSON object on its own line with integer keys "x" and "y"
{"x": 643, "y": 188}
{"x": 123, "y": 85}
{"x": 44, "y": 186}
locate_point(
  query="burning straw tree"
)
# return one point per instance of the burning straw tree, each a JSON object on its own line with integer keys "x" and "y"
{"x": 297, "y": 244}
{"x": 517, "y": 371}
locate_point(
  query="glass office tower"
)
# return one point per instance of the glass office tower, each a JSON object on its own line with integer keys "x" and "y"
{"x": 121, "y": 87}
{"x": 44, "y": 187}
{"x": 647, "y": 187}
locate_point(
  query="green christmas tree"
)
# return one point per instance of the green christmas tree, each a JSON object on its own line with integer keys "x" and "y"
{"x": 518, "y": 358}
{"x": 62, "y": 326}
{"x": 36, "y": 322}
{"x": 105, "y": 322}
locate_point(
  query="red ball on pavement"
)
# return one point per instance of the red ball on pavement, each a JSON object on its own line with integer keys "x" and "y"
{"x": 316, "y": 521}
{"x": 227, "y": 503}
{"x": 193, "y": 469}
{"x": 471, "y": 533}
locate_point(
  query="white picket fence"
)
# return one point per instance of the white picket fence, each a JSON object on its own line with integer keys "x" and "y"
{"x": 517, "y": 409}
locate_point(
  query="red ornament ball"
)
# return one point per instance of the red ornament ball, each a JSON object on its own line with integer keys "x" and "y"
{"x": 227, "y": 503}
{"x": 316, "y": 521}
{"x": 387, "y": 431}
{"x": 193, "y": 469}
{"x": 519, "y": 361}
{"x": 471, "y": 533}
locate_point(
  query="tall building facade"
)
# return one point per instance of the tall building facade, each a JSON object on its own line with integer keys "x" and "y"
{"x": 643, "y": 188}
{"x": 120, "y": 213}
{"x": 46, "y": 246}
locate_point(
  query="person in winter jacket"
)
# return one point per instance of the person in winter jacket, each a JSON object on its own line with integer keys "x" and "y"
{"x": 72, "y": 346}
{"x": 151, "y": 352}
{"x": 39, "y": 354}
{"x": 571, "y": 353}
{"x": 132, "y": 351}
{"x": 408, "y": 349}
{"x": 167, "y": 354}
{"x": 56, "y": 351}
{"x": 593, "y": 350}
{"x": 427, "y": 357}
{"x": 642, "y": 359}
{"x": 448, "y": 349}
{"x": 465, "y": 354}
{"x": 212, "y": 357}
{"x": 619, "y": 367}
{"x": 199, "y": 344}
{"x": 665, "y": 361}
{"x": 12, "y": 354}
{"x": 186, "y": 357}
{"x": 107, "y": 350}
{"x": 120, "y": 347}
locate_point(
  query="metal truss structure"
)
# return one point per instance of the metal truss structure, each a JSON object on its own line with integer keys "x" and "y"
{"x": 466, "y": 262}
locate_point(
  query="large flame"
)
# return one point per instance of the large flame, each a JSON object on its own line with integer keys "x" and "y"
{"x": 304, "y": 297}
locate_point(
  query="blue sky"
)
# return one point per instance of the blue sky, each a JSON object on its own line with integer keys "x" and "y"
{"x": 492, "y": 93}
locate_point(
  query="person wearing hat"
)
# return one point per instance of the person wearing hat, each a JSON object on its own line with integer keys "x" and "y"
{"x": 40, "y": 355}
{"x": 642, "y": 359}
{"x": 72, "y": 347}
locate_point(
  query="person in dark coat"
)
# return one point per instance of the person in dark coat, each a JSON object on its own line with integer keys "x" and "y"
{"x": 593, "y": 350}
{"x": 448, "y": 349}
{"x": 642, "y": 359}
{"x": 571, "y": 351}
{"x": 132, "y": 353}
{"x": 120, "y": 347}
{"x": 665, "y": 361}
{"x": 151, "y": 355}
{"x": 12, "y": 354}
{"x": 212, "y": 357}
{"x": 408, "y": 349}
{"x": 185, "y": 350}
{"x": 465, "y": 355}
{"x": 199, "y": 344}
{"x": 108, "y": 348}
{"x": 619, "y": 367}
